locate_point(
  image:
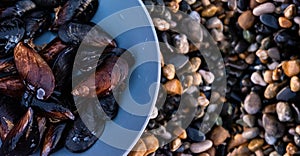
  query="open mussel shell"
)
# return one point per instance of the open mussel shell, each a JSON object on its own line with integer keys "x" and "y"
{"x": 24, "y": 137}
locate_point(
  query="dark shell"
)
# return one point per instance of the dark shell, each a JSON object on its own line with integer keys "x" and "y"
{"x": 53, "y": 138}
{"x": 23, "y": 138}
{"x": 109, "y": 105}
{"x": 34, "y": 71}
{"x": 80, "y": 138}
{"x": 82, "y": 10}
{"x": 50, "y": 52}
{"x": 19, "y": 9}
{"x": 88, "y": 34}
{"x": 12, "y": 86}
{"x": 11, "y": 112}
{"x": 7, "y": 65}
{"x": 36, "y": 22}
{"x": 11, "y": 32}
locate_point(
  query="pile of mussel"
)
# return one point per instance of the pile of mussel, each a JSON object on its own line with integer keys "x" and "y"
{"x": 38, "y": 85}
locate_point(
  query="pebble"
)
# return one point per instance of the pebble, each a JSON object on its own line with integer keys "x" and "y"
{"x": 252, "y": 103}
{"x": 249, "y": 120}
{"x": 174, "y": 87}
{"x": 195, "y": 62}
{"x": 187, "y": 81}
{"x": 139, "y": 149}
{"x": 259, "y": 152}
{"x": 175, "y": 144}
{"x": 161, "y": 24}
{"x": 232, "y": 4}
{"x": 284, "y": 111}
{"x": 214, "y": 23}
{"x": 190, "y": 2}
{"x": 151, "y": 142}
{"x": 217, "y": 35}
{"x": 262, "y": 55}
{"x": 268, "y": 76}
{"x": 274, "y": 153}
{"x": 297, "y": 129}
{"x": 241, "y": 46}
{"x": 284, "y": 22}
{"x": 243, "y": 4}
{"x": 241, "y": 150}
{"x": 250, "y": 133}
{"x": 261, "y": 1}
{"x": 291, "y": 68}
{"x": 207, "y": 76}
{"x": 179, "y": 61}
{"x": 248, "y": 36}
{"x": 169, "y": 71}
{"x": 205, "y": 2}
{"x": 297, "y": 140}
{"x": 246, "y": 20}
{"x": 203, "y": 101}
{"x": 285, "y": 94}
{"x": 256, "y": 78}
{"x": 253, "y": 47}
{"x": 201, "y": 146}
{"x": 181, "y": 43}
{"x": 271, "y": 90}
{"x": 197, "y": 79}
{"x": 264, "y": 9}
{"x": 270, "y": 109}
{"x": 250, "y": 58}
{"x": 273, "y": 65}
{"x": 274, "y": 53}
{"x": 290, "y": 11}
{"x": 255, "y": 144}
{"x": 295, "y": 84}
{"x": 180, "y": 132}
{"x": 270, "y": 139}
{"x": 272, "y": 126}
{"x": 253, "y": 4}
{"x": 237, "y": 140}
{"x": 219, "y": 135}
{"x": 195, "y": 135}
{"x": 209, "y": 11}
{"x": 291, "y": 149}
{"x": 154, "y": 113}
{"x": 269, "y": 20}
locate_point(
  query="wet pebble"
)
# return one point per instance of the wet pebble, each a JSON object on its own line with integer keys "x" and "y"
{"x": 271, "y": 90}
{"x": 219, "y": 135}
{"x": 264, "y": 9}
{"x": 255, "y": 144}
{"x": 285, "y": 94}
{"x": 249, "y": 120}
{"x": 269, "y": 20}
{"x": 256, "y": 78}
{"x": 274, "y": 53}
{"x": 214, "y": 23}
{"x": 174, "y": 87}
{"x": 272, "y": 126}
{"x": 246, "y": 20}
{"x": 201, "y": 146}
{"x": 241, "y": 46}
{"x": 268, "y": 76}
{"x": 217, "y": 35}
{"x": 284, "y": 22}
{"x": 271, "y": 140}
{"x": 169, "y": 71}
{"x": 295, "y": 84}
{"x": 284, "y": 111}
{"x": 209, "y": 11}
{"x": 243, "y": 4}
{"x": 197, "y": 79}
{"x": 291, "y": 68}
{"x": 290, "y": 11}
{"x": 250, "y": 133}
{"x": 195, "y": 135}
{"x": 252, "y": 103}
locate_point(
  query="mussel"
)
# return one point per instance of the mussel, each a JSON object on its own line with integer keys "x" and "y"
{"x": 11, "y": 32}
{"x": 88, "y": 34}
{"x": 52, "y": 49}
{"x": 35, "y": 23}
{"x": 81, "y": 10}
{"x": 12, "y": 86}
{"x": 19, "y": 9}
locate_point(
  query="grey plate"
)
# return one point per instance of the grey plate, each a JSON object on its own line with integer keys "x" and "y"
{"x": 130, "y": 24}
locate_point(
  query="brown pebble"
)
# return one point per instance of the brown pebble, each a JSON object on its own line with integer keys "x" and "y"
{"x": 291, "y": 68}
{"x": 295, "y": 84}
{"x": 180, "y": 132}
{"x": 196, "y": 62}
{"x": 268, "y": 76}
{"x": 243, "y": 150}
{"x": 270, "y": 109}
{"x": 246, "y": 20}
{"x": 290, "y": 11}
{"x": 173, "y": 6}
{"x": 250, "y": 58}
{"x": 284, "y": 22}
{"x": 291, "y": 149}
{"x": 253, "y": 4}
{"x": 175, "y": 144}
{"x": 139, "y": 149}
{"x": 237, "y": 140}
{"x": 174, "y": 87}
{"x": 271, "y": 90}
{"x": 169, "y": 71}
{"x": 255, "y": 144}
{"x": 209, "y": 11}
{"x": 151, "y": 143}
{"x": 219, "y": 135}
{"x": 197, "y": 79}
{"x": 212, "y": 151}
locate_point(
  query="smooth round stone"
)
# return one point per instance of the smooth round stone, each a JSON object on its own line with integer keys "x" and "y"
{"x": 214, "y": 23}
{"x": 219, "y": 135}
{"x": 246, "y": 20}
{"x": 295, "y": 84}
{"x": 248, "y": 36}
{"x": 232, "y": 4}
{"x": 284, "y": 111}
{"x": 270, "y": 139}
{"x": 195, "y": 62}
{"x": 291, "y": 149}
{"x": 154, "y": 113}
{"x": 181, "y": 43}
{"x": 207, "y": 76}
{"x": 255, "y": 144}
{"x": 264, "y": 9}
{"x": 274, "y": 53}
{"x": 253, "y": 47}
{"x": 272, "y": 126}
{"x": 201, "y": 146}
{"x": 268, "y": 76}
{"x": 174, "y": 87}
{"x": 241, "y": 46}
{"x": 290, "y": 11}
{"x": 169, "y": 71}
{"x": 253, "y": 4}
{"x": 280, "y": 147}
{"x": 195, "y": 135}
{"x": 161, "y": 24}
{"x": 250, "y": 133}
{"x": 175, "y": 144}
{"x": 151, "y": 143}
{"x": 197, "y": 79}
{"x": 209, "y": 11}
{"x": 261, "y": 1}
{"x": 271, "y": 90}
{"x": 190, "y": 2}
{"x": 256, "y": 78}
{"x": 284, "y": 22}
{"x": 291, "y": 68}
{"x": 139, "y": 149}
{"x": 285, "y": 94}
{"x": 243, "y": 4}
{"x": 217, "y": 35}
{"x": 249, "y": 120}
{"x": 252, "y": 103}
{"x": 269, "y": 20}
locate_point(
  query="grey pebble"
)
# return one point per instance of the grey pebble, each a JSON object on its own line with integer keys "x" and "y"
{"x": 263, "y": 9}
{"x": 250, "y": 133}
{"x": 252, "y": 103}
{"x": 215, "y": 23}
{"x": 249, "y": 120}
{"x": 201, "y": 146}
{"x": 284, "y": 111}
